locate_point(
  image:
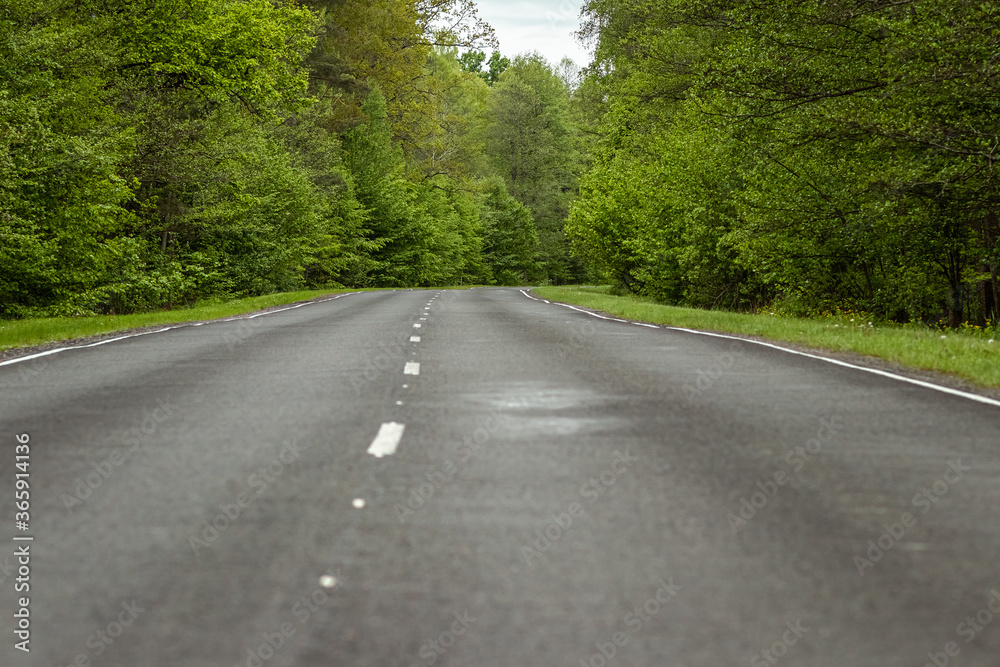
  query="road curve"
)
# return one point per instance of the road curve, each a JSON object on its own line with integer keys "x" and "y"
{"x": 431, "y": 477}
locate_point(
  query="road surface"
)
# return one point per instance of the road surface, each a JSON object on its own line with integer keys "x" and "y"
{"x": 479, "y": 478}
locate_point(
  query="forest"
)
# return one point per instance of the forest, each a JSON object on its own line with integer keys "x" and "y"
{"x": 802, "y": 156}
{"x": 799, "y": 156}
{"x": 157, "y": 154}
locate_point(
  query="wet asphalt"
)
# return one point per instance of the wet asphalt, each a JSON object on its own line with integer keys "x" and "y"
{"x": 566, "y": 490}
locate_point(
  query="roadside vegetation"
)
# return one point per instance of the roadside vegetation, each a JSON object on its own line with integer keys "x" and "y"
{"x": 829, "y": 159}
{"x": 158, "y": 154}
{"x": 970, "y": 353}
{"x": 41, "y": 330}
{"x": 797, "y": 154}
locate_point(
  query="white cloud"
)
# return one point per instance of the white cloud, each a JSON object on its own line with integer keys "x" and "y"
{"x": 546, "y": 27}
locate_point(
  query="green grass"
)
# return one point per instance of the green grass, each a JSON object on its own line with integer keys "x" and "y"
{"x": 969, "y": 355}
{"x": 25, "y": 333}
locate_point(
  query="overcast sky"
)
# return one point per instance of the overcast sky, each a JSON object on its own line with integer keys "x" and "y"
{"x": 546, "y": 26}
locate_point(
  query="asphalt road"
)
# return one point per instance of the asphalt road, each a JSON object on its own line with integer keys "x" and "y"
{"x": 525, "y": 485}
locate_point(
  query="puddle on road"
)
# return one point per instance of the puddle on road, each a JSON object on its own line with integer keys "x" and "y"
{"x": 538, "y": 408}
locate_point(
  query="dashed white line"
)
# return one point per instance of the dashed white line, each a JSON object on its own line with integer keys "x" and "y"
{"x": 411, "y": 368}
{"x": 387, "y": 440}
{"x": 414, "y": 339}
{"x": 416, "y": 325}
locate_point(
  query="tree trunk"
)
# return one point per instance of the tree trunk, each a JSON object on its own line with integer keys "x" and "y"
{"x": 987, "y": 298}
{"x": 956, "y": 301}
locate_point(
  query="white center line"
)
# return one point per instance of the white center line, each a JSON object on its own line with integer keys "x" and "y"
{"x": 385, "y": 443}
{"x": 411, "y": 368}
{"x": 414, "y": 339}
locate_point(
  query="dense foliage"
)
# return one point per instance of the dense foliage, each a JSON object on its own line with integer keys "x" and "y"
{"x": 156, "y": 153}
{"x": 801, "y": 154}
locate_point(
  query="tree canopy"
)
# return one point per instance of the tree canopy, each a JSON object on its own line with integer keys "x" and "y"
{"x": 805, "y": 155}
{"x": 797, "y": 155}
{"x": 155, "y": 154}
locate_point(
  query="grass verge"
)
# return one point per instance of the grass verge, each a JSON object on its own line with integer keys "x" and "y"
{"x": 27, "y": 333}
{"x": 971, "y": 356}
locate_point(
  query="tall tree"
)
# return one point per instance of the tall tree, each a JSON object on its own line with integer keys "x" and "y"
{"x": 530, "y": 141}
{"x": 510, "y": 239}
{"x": 855, "y": 169}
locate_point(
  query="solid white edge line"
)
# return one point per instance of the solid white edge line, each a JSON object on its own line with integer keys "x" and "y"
{"x": 587, "y": 312}
{"x": 387, "y": 439}
{"x": 875, "y": 371}
{"x": 179, "y": 326}
{"x": 33, "y": 356}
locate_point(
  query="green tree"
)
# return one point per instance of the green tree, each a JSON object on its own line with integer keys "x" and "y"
{"x": 854, "y": 169}
{"x": 393, "y": 223}
{"x": 61, "y": 146}
{"x": 510, "y": 241}
{"x": 472, "y": 61}
{"x": 530, "y": 141}
{"x": 498, "y": 64}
